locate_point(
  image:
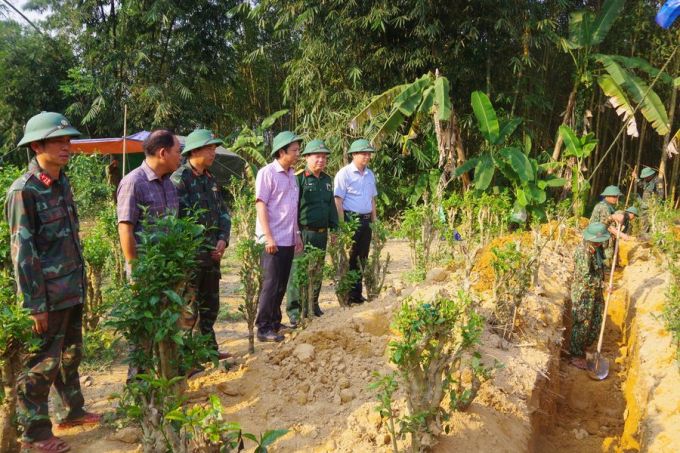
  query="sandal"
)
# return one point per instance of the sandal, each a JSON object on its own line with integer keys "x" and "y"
{"x": 51, "y": 445}
{"x": 88, "y": 418}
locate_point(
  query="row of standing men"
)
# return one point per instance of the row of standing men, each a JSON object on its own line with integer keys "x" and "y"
{"x": 292, "y": 210}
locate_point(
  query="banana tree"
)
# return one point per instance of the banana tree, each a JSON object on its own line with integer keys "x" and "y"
{"x": 625, "y": 89}
{"x": 524, "y": 173}
{"x": 586, "y": 31}
{"x": 579, "y": 149}
{"x": 409, "y": 107}
{"x": 250, "y": 144}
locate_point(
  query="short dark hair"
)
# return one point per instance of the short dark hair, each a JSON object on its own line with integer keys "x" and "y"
{"x": 277, "y": 154}
{"x": 160, "y": 138}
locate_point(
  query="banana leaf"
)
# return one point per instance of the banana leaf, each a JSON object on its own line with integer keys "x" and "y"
{"x": 486, "y": 116}
{"x": 442, "y": 98}
{"x": 519, "y": 163}
{"x": 484, "y": 171}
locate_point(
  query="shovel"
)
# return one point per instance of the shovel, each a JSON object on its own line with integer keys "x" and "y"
{"x": 598, "y": 366}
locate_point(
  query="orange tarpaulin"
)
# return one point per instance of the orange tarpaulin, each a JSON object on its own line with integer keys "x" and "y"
{"x": 106, "y": 146}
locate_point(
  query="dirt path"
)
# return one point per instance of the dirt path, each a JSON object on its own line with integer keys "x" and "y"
{"x": 232, "y": 336}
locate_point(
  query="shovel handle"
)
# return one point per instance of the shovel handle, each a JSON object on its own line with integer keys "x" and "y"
{"x": 609, "y": 293}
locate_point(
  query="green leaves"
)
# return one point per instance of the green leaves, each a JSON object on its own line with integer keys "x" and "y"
{"x": 588, "y": 30}
{"x": 577, "y": 147}
{"x": 415, "y": 101}
{"x": 519, "y": 162}
{"x": 484, "y": 171}
{"x": 637, "y": 89}
{"x": 486, "y": 116}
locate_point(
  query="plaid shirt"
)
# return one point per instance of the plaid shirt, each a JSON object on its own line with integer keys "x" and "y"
{"x": 143, "y": 189}
{"x": 279, "y": 191}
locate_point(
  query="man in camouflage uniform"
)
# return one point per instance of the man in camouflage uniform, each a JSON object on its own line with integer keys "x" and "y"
{"x": 603, "y": 213}
{"x": 652, "y": 187}
{"x": 316, "y": 215}
{"x": 586, "y": 292}
{"x": 49, "y": 269}
{"x": 199, "y": 195}
{"x": 625, "y": 218}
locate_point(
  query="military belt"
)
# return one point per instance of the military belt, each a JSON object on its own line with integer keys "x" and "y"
{"x": 314, "y": 229}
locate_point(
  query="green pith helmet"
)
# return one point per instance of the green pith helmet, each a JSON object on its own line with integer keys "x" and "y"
{"x": 611, "y": 191}
{"x": 596, "y": 232}
{"x": 200, "y": 138}
{"x": 283, "y": 139}
{"x": 47, "y": 125}
{"x": 361, "y": 146}
{"x": 633, "y": 210}
{"x": 316, "y": 146}
{"x": 646, "y": 172}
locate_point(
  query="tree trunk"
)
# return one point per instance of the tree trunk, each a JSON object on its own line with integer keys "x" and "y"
{"x": 9, "y": 434}
{"x": 565, "y": 121}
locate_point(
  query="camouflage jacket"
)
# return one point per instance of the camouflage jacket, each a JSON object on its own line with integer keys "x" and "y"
{"x": 588, "y": 274}
{"x": 199, "y": 195}
{"x": 651, "y": 188}
{"x": 46, "y": 251}
{"x": 601, "y": 213}
{"x": 627, "y": 226}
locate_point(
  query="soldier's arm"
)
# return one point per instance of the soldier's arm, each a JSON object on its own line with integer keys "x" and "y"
{"x": 20, "y": 210}
{"x": 333, "y": 214}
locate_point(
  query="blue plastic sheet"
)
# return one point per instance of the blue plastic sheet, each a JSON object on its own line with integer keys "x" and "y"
{"x": 668, "y": 13}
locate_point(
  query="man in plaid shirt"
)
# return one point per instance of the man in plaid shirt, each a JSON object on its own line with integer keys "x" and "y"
{"x": 147, "y": 192}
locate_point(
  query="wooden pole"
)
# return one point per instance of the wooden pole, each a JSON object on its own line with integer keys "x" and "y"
{"x": 124, "y": 137}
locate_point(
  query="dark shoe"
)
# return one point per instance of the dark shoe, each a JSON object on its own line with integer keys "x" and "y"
{"x": 357, "y": 301}
{"x": 88, "y": 418}
{"x": 224, "y": 355}
{"x": 285, "y": 328}
{"x": 318, "y": 312}
{"x": 294, "y": 324}
{"x": 270, "y": 337}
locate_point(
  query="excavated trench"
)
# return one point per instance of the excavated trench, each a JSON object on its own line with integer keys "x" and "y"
{"x": 620, "y": 413}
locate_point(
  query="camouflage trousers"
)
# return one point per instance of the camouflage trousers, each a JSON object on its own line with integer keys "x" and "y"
{"x": 586, "y": 316}
{"x": 55, "y": 362}
{"x": 207, "y": 284}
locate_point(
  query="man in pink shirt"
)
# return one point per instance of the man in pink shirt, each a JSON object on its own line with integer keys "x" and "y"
{"x": 276, "y": 201}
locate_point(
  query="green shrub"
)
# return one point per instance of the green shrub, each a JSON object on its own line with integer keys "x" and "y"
{"x": 374, "y": 270}
{"x": 339, "y": 251}
{"x": 249, "y": 252}
{"x": 435, "y": 356}
{"x": 91, "y": 190}
{"x": 512, "y": 278}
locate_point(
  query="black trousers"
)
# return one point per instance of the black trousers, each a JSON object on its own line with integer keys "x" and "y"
{"x": 360, "y": 249}
{"x": 275, "y": 273}
{"x": 207, "y": 283}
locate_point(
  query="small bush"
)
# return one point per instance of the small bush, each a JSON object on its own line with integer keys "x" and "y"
{"x": 512, "y": 279}
{"x": 308, "y": 274}
{"x": 374, "y": 271}
{"x": 435, "y": 355}
{"x": 339, "y": 251}
{"x": 91, "y": 190}
{"x": 249, "y": 252}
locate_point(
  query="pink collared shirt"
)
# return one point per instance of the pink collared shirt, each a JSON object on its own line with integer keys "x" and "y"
{"x": 278, "y": 190}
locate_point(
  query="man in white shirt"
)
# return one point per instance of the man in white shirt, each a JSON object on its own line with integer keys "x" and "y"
{"x": 355, "y": 191}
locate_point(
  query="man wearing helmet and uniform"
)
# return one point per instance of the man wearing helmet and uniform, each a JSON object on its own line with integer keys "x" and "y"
{"x": 199, "y": 195}
{"x": 316, "y": 215}
{"x": 587, "y": 301}
{"x": 604, "y": 212}
{"x": 355, "y": 191}
{"x": 652, "y": 186}
{"x": 49, "y": 270}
